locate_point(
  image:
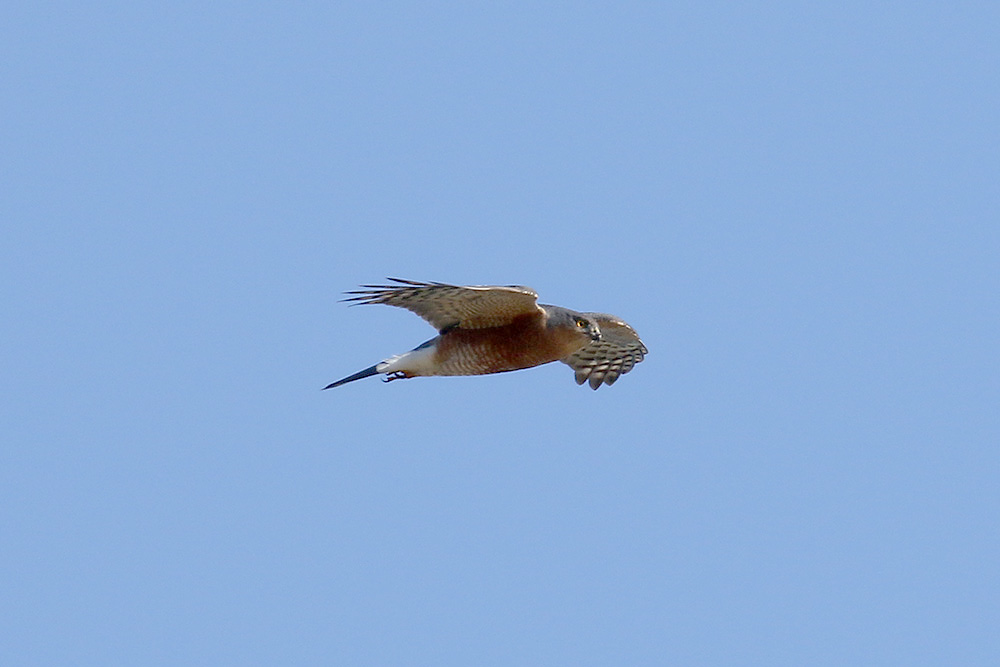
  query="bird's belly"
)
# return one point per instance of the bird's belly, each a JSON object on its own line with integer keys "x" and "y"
{"x": 484, "y": 351}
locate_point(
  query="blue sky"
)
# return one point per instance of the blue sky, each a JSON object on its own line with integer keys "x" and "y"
{"x": 795, "y": 205}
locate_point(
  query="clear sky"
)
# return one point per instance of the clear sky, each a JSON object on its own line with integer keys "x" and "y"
{"x": 797, "y": 206}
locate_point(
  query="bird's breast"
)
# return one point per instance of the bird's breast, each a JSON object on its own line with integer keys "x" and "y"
{"x": 524, "y": 343}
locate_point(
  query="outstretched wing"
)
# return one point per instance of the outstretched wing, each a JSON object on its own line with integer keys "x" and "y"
{"x": 446, "y": 306}
{"x": 607, "y": 359}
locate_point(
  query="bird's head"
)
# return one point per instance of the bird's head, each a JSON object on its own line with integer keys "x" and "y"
{"x": 572, "y": 325}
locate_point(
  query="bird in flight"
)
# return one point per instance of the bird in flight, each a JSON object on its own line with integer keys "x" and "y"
{"x": 492, "y": 329}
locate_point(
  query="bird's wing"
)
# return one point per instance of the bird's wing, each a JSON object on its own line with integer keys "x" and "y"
{"x": 447, "y": 306}
{"x": 607, "y": 359}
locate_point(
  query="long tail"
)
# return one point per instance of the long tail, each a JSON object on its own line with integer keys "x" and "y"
{"x": 368, "y": 372}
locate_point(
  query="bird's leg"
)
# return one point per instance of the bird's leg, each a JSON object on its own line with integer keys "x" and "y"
{"x": 395, "y": 375}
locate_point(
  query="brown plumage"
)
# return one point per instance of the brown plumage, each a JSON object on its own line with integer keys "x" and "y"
{"x": 492, "y": 329}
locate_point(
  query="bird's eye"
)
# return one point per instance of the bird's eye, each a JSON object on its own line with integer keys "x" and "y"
{"x": 581, "y": 323}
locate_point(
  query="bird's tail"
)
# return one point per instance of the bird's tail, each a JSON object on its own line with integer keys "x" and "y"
{"x": 368, "y": 372}
{"x": 418, "y": 361}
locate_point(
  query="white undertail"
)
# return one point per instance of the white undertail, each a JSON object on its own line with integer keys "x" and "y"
{"x": 415, "y": 362}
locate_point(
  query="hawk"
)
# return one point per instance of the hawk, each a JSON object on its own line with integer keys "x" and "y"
{"x": 486, "y": 329}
